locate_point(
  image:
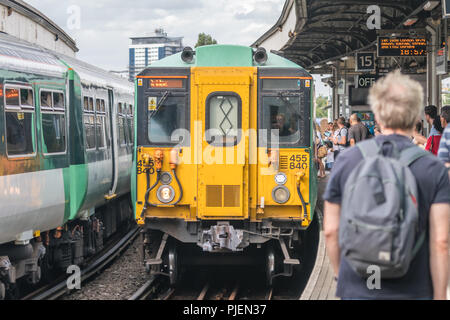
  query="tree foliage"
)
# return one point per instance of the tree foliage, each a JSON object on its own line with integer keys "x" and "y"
{"x": 204, "y": 40}
{"x": 321, "y": 103}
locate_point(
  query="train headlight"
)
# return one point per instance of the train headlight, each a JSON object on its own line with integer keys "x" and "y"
{"x": 280, "y": 178}
{"x": 165, "y": 194}
{"x": 280, "y": 194}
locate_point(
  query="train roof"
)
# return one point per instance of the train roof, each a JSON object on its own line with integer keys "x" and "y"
{"x": 20, "y": 55}
{"x": 92, "y": 75}
{"x": 225, "y": 56}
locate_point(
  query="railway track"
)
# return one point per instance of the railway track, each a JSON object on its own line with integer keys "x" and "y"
{"x": 211, "y": 288}
{"x": 228, "y": 283}
{"x": 59, "y": 287}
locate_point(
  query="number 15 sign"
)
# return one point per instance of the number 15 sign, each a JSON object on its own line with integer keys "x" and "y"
{"x": 365, "y": 61}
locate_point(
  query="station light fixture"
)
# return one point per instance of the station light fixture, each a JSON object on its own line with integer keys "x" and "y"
{"x": 330, "y": 62}
{"x": 430, "y": 5}
{"x": 317, "y": 67}
{"x": 410, "y": 21}
{"x": 345, "y": 58}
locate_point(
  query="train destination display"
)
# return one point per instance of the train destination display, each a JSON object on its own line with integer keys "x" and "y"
{"x": 401, "y": 47}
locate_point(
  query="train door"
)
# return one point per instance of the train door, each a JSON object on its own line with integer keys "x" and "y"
{"x": 223, "y": 98}
{"x": 113, "y": 135}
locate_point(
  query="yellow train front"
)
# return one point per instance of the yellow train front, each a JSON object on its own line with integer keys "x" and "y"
{"x": 224, "y": 159}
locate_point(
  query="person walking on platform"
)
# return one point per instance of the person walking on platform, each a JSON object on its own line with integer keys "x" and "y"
{"x": 444, "y": 146}
{"x": 341, "y": 139}
{"x": 357, "y": 132}
{"x": 431, "y": 115}
{"x": 389, "y": 240}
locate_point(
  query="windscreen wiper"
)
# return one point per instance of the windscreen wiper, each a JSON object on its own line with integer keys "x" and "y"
{"x": 160, "y": 102}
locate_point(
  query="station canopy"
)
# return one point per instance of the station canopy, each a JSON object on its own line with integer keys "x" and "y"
{"x": 314, "y": 32}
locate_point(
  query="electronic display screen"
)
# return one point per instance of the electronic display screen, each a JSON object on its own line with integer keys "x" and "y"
{"x": 358, "y": 96}
{"x": 166, "y": 83}
{"x": 286, "y": 84}
{"x": 402, "y": 47}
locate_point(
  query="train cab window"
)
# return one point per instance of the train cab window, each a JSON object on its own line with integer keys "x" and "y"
{"x": 100, "y": 116}
{"x": 223, "y": 117}
{"x": 281, "y": 115}
{"x": 164, "y": 117}
{"x": 19, "y": 122}
{"x": 53, "y": 122}
{"x": 89, "y": 123}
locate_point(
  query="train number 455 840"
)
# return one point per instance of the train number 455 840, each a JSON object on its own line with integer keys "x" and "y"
{"x": 298, "y": 162}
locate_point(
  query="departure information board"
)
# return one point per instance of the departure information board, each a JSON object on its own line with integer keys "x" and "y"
{"x": 166, "y": 83}
{"x": 402, "y": 47}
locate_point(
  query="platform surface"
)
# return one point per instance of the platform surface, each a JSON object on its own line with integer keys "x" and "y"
{"x": 321, "y": 285}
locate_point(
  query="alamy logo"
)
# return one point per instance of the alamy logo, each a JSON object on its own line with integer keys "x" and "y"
{"x": 74, "y": 281}
{"x": 74, "y": 19}
{"x": 374, "y": 280}
{"x": 374, "y": 21}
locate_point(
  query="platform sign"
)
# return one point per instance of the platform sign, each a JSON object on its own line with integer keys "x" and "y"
{"x": 366, "y": 80}
{"x": 446, "y": 8}
{"x": 365, "y": 61}
{"x": 402, "y": 47}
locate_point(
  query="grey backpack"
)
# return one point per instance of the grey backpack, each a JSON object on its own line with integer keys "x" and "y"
{"x": 379, "y": 222}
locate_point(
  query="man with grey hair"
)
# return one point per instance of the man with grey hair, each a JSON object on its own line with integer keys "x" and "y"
{"x": 396, "y": 101}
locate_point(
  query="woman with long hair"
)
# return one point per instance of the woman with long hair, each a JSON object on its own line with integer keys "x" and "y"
{"x": 432, "y": 117}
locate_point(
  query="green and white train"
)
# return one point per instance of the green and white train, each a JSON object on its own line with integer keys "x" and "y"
{"x": 67, "y": 139}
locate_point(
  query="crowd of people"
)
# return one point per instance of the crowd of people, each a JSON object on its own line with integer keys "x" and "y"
{"x": 387, "y": 200}
{"x": 342, "y": 134}
{"x": 338, "y": 135}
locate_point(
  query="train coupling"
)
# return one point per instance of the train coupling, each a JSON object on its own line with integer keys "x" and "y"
{"x": 222, "y": 237}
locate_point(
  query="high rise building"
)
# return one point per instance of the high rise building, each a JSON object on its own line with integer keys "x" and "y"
{"x": 145, "y": 50}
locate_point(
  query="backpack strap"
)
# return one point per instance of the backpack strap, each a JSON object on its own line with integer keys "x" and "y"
{"x": 419, "y": 243}
{"x": 408, "y": 156}
{"x": 411, "y": 154}
{"x": 368, "y": 148}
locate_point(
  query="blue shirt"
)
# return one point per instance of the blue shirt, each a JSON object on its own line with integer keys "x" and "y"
{"x": 434, "y": 132}
{"x": 433, "y": 187}
{"x": 444, "y": 146}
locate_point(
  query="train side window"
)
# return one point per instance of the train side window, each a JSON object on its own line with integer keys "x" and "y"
{"x": 53, "y": 122}
{"x": 100, "y": 124}
{"x": 26, "y": 98}
{"x": 107, "y": 125}
{"x": 89, "y": 123}
{"x": 130, "y": 125}
{"x": 223, "y": 118}
{"x": 20, "y": 123}
{"x": 121, "y": 125}
{"x": 46, "y": 100}
{"x": 91, "y": 104}
{"x": 12, "y": 97}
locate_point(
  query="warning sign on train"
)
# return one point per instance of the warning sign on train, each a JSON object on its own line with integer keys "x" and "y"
{"x": 152, "y": 102}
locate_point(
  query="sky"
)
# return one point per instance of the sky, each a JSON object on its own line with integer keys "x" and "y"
{"x": 105, "y": 26}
